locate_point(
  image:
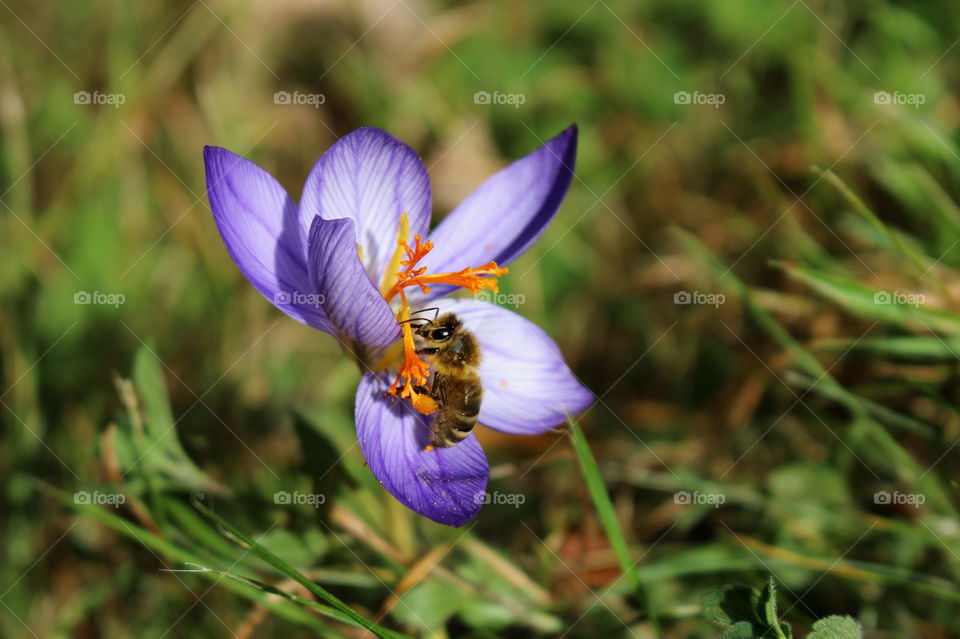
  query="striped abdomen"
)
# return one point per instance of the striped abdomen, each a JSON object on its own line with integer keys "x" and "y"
{"x": 458, "y": 414}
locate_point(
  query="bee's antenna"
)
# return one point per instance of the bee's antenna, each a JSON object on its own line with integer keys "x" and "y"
{"x": 416, "y": 319}
{"x": 435, "y": 309}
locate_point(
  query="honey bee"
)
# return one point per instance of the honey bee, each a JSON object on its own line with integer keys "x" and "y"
{"x": 454, "y": 355}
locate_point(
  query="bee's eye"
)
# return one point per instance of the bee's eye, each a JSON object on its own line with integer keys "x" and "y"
{"x": 442, "y": 333}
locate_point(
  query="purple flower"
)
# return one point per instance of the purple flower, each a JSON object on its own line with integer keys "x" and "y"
{"x": 342, "y": 262}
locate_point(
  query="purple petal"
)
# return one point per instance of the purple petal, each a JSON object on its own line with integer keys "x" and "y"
{"x": 508, "y": 212}
{"x": 371, "y": 177}
{"x": 526, "y": 384}
{"x": 261, "y": 228}
{"x": 351, "y": 301}
{"x": 445, "y": 484}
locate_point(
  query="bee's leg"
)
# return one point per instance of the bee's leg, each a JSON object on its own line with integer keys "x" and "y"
{"x": 437, "y": 390}
{"x": 438, "y": 385}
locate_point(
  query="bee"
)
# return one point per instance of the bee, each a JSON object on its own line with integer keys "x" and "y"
{"x": 454, "y": 355}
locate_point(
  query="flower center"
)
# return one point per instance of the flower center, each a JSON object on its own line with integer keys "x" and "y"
{"x": 402, "y": 272}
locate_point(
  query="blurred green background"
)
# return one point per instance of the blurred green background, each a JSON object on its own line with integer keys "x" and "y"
{"x": 796, "y": 418}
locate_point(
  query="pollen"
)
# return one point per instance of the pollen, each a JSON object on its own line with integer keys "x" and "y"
{"x": 403, "y": 266}
{"x": 414, "y": 371}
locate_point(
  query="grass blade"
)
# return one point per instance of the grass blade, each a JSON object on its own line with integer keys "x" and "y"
{"x": 234, "y": 534}
{"x": 608, "y": 518}
{"x": 918, "y": 261}
{"x": 873, "y": 303}
{"x": 162, "y": 546}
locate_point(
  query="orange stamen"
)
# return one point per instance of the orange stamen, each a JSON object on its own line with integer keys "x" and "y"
{"x": 472, "y": 279}
{"x": 414, "y": 371}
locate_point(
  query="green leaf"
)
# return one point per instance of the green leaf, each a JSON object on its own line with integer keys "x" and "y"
{"x": 479, "y": 613}
{"x": 148, "y": 378}
{"x": 744, "y": 609}
{"x": 292, "y": 548}
{"x": 770, "y": 603}
{"x": 428, "y": 605}
{"x": 608, "y": 517}
{"x": 770, "y": 617}
{"x": 149, "y": 437}
{"x": 836, "y": 627}
{"x": 740, "y": 630}
{"x": 732, "y": 604}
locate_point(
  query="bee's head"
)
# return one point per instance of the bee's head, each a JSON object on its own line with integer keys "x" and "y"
{"x": 439, "y": 330}
{"x": 431, "y": 335}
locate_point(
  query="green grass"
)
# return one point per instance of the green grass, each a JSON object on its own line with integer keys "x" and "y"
{"x": 735, "y": 441}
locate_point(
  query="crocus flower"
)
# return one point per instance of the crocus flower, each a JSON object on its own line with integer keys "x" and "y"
{"x": 356, "y": 258}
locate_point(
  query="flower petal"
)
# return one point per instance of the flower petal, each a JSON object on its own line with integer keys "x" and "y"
{"x": 445, "y": 484}
{"x": 526, "y": 384}
{"x": 351, "y": 301}
{"x": 372, "y": 177}
{"x": 508, "y": 212}
{"x": 261, "y": 228}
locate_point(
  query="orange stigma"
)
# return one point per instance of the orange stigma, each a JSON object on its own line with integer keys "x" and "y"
{"x": 414, "y": 371}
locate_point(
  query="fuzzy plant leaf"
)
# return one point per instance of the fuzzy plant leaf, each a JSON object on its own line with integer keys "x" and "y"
{"x": 730, "y": 605}
{"x": 749, "y": 612}
{"x": 740, "y": 630}
{"x": 769, "y": 601}
{"x": 836, "y": 627}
